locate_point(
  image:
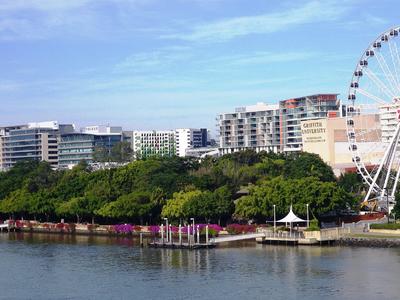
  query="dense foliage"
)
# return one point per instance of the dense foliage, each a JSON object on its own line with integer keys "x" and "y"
{"x": 178, "y": 188}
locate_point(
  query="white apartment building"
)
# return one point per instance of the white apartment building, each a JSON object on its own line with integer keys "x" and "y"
{"x": 153, "y": 143}
{"x": 389, "y": 118}
{"x": 250, "y": 127}
{"x": 190, "y": 138}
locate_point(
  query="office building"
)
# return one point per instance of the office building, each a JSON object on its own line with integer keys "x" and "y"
{"x": 34, "y": 141}
{"x": 77, "y": 146}
{"x": 189, "y": 138}
{"x": 327, "y": 137}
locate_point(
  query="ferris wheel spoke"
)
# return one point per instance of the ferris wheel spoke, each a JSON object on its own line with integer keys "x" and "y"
{"x": 386, "y": 157}
{"x": 371, "y": 96}
{"x": 389, "y": 163}
{"x": 395, "y": 60}
{"x": 371, "y": 75}
{"x": 396, "y": 180}
{"x": 388, "y": 74}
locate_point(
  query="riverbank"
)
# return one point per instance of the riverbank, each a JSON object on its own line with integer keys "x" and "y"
{"x": 372, "y": 240}
{"x": 147, "y": 234}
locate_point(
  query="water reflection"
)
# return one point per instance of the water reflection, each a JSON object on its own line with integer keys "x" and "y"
{"x": 75, "y": 267}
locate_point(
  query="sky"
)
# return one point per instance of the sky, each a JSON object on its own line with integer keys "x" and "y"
{"x": 165, "y": 64}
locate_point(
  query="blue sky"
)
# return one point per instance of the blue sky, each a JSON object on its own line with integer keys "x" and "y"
{"x": 163, "y": 64}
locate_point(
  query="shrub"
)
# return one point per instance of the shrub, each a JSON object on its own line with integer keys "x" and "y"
{"x": 211, "y": 232}
{"x": 390, "y": 226}
{"x": 238, "y": 228}
{"x": 154, "y": 229}
{"x": 313, "y": 225}
{"x": 123, "y": 228}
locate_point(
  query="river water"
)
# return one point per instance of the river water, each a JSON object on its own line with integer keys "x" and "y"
{"x": 44, "y": 266}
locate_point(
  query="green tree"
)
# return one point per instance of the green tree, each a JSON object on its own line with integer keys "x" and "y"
{"x": 101, "y": 154}
{"x": 121, "y": 152}
{"x": 77, "y": 207}
{"x": 225, "y": 207}
{"x": 322, "y": 197}
{"x": 307, "y": 165}
{"x": 350, "y": 182}
{"x": 136, "y": 205}
{"x": 176, "y": 208}
{"x": 17, "y": 202}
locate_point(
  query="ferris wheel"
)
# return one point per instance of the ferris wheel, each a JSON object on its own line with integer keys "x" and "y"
{"x": 373, "y": 118}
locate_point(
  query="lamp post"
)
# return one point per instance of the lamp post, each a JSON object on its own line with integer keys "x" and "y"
{"x": 274, "y": 220}
{"x": 308, "y": 216}
{"x": 166, "y": 225}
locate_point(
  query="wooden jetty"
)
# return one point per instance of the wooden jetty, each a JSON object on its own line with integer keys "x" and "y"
{"x": 174, "y": 245}
{"x": 7, "y": 227}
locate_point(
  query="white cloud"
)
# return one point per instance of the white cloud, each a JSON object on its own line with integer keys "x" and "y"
{"x": 163, "y": 57}
{"x": 311, "y": 12}
{"x": 41, "y": 19}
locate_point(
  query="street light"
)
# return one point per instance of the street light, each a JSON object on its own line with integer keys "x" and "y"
{"x": 166, "y": 220}
{"x": 308, "y": 216}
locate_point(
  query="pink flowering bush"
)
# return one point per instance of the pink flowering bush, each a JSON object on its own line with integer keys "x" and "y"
{"x": 123, "y": 228}
{"x": 239, "y": 228}
{"x": 154, "y": 229}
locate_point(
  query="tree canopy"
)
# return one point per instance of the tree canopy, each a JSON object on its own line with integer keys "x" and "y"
{"x": 177, "y": 188}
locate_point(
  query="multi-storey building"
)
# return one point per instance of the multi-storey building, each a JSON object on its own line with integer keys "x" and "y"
{"x": 273, "y": 127}
{"x": 189, "y": 138}
{"x": 3, "y": 132}
{"x": 250, "y": 127}
{"x": 35, "y": 141}
{"x": 293, "y": 111}
{"x": 77, "y": 146}
{"x": 153, "y": 143}
{"x": 389, "y": 118}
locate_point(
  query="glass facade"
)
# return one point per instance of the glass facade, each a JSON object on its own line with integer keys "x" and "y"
{"x": 29, "y": 144}
{"x": 75, "y": 147}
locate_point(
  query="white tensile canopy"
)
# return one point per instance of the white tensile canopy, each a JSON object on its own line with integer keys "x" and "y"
{"x": 291, "y": 218}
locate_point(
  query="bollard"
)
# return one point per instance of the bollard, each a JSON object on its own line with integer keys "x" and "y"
{"x": 180, "y": 234}
{"x": 188, "y": 234}
{"x": 170, "y": 234}
{"x": 162, "y": 233}
{"x": 207, "y": 235}
{"x": 198, "y": 235}
{"x": 141, "y": 239}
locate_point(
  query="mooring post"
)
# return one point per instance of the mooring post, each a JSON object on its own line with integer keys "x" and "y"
{"x": 188, "y": 234}
{"x": 162, "y": 233}
{"x": 207, "y": 235}
{"x": 170, "y": 234}
{"x": 180, "y": 234}
{"x": 141, "y": 239}
{"x": 198, "y": 234}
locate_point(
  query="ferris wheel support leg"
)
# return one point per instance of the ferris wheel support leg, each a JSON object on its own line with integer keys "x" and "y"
{"x": 392, "y": 155}
{"x": 384, "y": 159}
{"x": 396, "y": 182}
